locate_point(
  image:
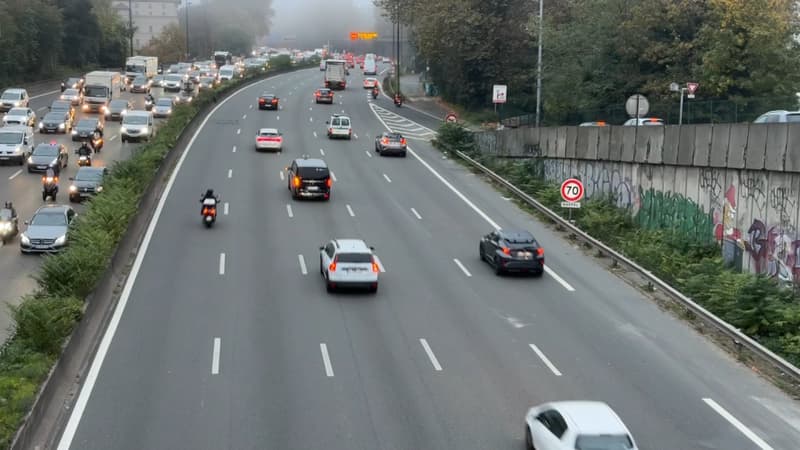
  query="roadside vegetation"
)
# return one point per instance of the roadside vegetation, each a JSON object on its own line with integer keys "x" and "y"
{"x": 45, "y": 318}
{"x": 596, "y": 53}
{"x": 754, "y": 304}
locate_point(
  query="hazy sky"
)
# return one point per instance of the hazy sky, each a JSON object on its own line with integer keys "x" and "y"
{"x": 313, "y": 22}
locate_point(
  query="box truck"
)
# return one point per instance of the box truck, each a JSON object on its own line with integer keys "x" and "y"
{"x": 141, "y": 65}
{"x": 99, "y": 88}
{"x": 335, "y": 74}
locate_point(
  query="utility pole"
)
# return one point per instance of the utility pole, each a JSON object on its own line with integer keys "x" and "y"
{"x": 130, "y": 23}
{"x": 539, "y": 66}
{"x": 187, "y": 29}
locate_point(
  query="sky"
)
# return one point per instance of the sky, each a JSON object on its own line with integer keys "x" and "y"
{"x": 311, "y": 23}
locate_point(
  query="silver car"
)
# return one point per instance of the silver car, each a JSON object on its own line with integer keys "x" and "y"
{"x": 163, "y": 107}
{"x": 47, "y": 230}
{"x": 73, "y": 96}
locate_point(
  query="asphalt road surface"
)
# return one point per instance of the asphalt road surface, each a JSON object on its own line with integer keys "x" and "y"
{"x": 228, "y": 339}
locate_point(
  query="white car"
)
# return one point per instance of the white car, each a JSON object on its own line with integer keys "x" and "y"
{"x": 348, "y": 263}
{"x": 269, "y": 139}
{"x": 20, "y": 116}
{"x": 339, "y": 126}
{"x": 163, "y": 107}
{"x": 74, "y": 96}
{"x": 644, "y": 122}
{"x": 14, "y": 98}
{"x": 137, "y": 125}
{"x": 576, "y": 425}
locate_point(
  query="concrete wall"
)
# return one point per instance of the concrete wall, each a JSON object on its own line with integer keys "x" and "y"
{"x": 737, "y": 184}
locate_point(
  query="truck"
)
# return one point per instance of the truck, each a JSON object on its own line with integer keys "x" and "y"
{"x": 99, "y": 88}
{"x": 335, "y": 74}
{"x": 370, "y": 64}
{"x": 141, "y": 65}
{"x": 223, "y": 58}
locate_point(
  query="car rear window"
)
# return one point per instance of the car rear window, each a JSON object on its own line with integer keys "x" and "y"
{"x": 354, "y": 258}
{"x": 313, "y": 173}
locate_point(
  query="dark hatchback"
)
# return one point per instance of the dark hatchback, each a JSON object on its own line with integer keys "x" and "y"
{"x": 512, "y": 251}
{"x": 324, "y": 95}
{"x": 309, "y": 178}
{"x": 117, "y": 109}
{"x": 84, "y": 128}
{"x": 72, "y": 83}
{"x": 46, "y": 156}
{"x": 140, "y": 84}
{"x": 86, "y": 183}
{"x": 267, "y": 101}
{"x": 64, "y": 106}
{"x": 55, "y": 122}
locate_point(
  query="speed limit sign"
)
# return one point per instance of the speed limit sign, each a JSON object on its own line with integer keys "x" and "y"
{"x": 572, "y": 193}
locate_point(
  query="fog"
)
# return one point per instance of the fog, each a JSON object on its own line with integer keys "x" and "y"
{"x": 312, "y": 23}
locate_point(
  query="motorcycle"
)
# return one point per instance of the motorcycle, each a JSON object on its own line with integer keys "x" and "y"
{"x": 374, "y": 94}
{"x": 97, "y": 143}
{"x": 84, "y": 160}
{"x": 8, "y": 225}
{"x": 209, "y": 212}
{"x": 148, "y": 105}
{"x": 49, "y": 188}
{"x": 398, "y": 101}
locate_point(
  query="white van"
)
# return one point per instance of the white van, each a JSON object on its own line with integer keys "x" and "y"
{"x": 16, "y": 143}
{"x": 137, "y": 125}
{"x": 14, "y": 98}
{"x": 226, "y": 73}
{"x": 370, "y": 66}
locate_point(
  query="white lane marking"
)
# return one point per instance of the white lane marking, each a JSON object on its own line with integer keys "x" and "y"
{"x": 230, "y": 173}
{"x": 251, "y": 106}
{"x": 102, "y": 350}
{"x": 303, "y": 269}
{"x": 289, "y": 210}
{"x": 431, "y": 356}
{"x": 215, "y": 356}
{"x": 350, "y": 211}
{"x": 326, "y": 359}
{"x": 15, "y": 174}
{"x": 112, "y": 137}
{"x": 379, "y": 263}
{"x": 322, "y": 152}
{"x": 461, "y": 266}
{"x": 310, "y": 108}
{"x": 234, "y": 149}
{"x": 355, "y": 136}
{"x": 368, "y": 153}
{"x": 738, "y": 425}
{"x": 238, "y": 131}
{"x": 41, "y": 109}
{"x": 416, "y": 213}
{"x": 277, "y": 117}
{"x": 244, "y": 116}
{"x": 469, "y": 203}
{"x": 544, "y": 359}
{"x": 386, "y": 177}
{"x": 333, "y": 176}
{"x": 281, "y": 174}
{"x": 44, "y": 95}
{"x": 310, "y": 119}
{"x": 315, "y": 134}
{"x": 226, "y": 208}
{"x": 222, "y": 263}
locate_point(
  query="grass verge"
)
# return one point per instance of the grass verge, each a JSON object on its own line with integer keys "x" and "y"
{"x": 45, "y": 318}
{"x": 756, "y": 305}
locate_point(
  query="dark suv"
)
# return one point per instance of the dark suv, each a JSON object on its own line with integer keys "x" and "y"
{"x": 512, "y": 251}
{"x": 309, "y": 178}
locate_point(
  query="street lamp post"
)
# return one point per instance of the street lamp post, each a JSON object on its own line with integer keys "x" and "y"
{"x": 675, "y": 87}
{"x": 187, "y": 28}
{"x": 130, "y": 24}
{"x": 539, "y": 65}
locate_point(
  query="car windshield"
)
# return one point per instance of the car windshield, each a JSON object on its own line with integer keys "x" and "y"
{"x": 49, "y": 219}
{"x": 603, "y": 442}
{"x": 313, "y": 173}
{"x": 354, "y": 258}
{"x": 71, "y": 81}
{"x": 17, "y": 112}
{"x": 226, "y": 72}
{"x": 135, "y": 120}
{"x": 140, "y": 80}
{"x": 10, "y": 96}
{"x": 118, "y": 104}
{"x": 174, "y": 77}
{"x": 70, "y": 92}
{"x": 54, "y": 117}
{"x": 45, "y": 150}
{"x": 87, "y": 123}
{"x": 89, "y": 175}
{"x": 164, "y": 102}
{"x": 96, "y": 91}
{"x": 394, "y": 136}
{"x": 206, "y": 79}
{"x": 267, "y": 133}
{"x": 60, "y": 104}
{"x": 11, "y": 138}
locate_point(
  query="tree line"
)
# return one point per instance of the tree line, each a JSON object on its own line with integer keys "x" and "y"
{"x": 40, "y": 37}
{"x": 596, "y": 53}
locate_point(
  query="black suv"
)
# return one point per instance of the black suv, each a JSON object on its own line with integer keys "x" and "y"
{"x": 512, "y": 251}
{"x": 309, "y": 178}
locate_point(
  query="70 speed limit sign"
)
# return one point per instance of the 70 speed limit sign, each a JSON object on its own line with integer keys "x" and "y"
{"x": 572, "y": 193}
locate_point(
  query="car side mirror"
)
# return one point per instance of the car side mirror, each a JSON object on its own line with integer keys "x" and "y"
{"x": 71, "y": 178}
{"x": 372, "y": 248}
{"x": 327, "y": 122}
{"x": 322, "y": 247}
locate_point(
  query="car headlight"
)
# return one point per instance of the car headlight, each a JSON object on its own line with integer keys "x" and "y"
{"x": 169, "y": 111}
{"x": 61, "y": 240}
{"x": 17, "y": 103}
{"x": 54, "y": 162}
{"x": 30, "y": 160}
{"x": 123, "y": 130}
{"x": 60, "y": 126}
{"x": 124, "y": 111}
{"x": 73, "y": 188}
{"x": 74, "y": 132}
{"x": 5, "y": 226}
{"x": 24, "y": 239}
{"x": 99, "y": 189}
{"x": 144, "y": 130}
{"x": 41, "y": 124}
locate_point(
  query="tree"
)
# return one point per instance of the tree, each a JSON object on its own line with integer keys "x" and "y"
{"x": 169, "y": 45}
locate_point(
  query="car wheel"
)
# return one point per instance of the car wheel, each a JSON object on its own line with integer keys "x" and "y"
{"x": 403, "y": 154}
{"x": 528, "y": 439}
{"x": 373, "y": 289}
{"x": 481, "y": 253}
{"x": 538, "y": 274}
{"x": 44, "y": 197}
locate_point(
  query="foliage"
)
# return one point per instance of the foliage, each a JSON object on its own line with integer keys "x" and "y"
{"x": 216, "y": 25}
{"x": 44, "y": 319}
{"x": 38, "y": 36}
{"x": 169, "y": 45}
{"x": 596, "y": 53}
{"x": 281, "y": 62}
{"x": 757, "y": 305}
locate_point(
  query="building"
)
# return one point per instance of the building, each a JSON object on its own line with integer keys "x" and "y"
{"x": 149, "y": 17}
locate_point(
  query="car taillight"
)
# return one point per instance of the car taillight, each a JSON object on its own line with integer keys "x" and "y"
{"x": 330, "y": 130}
{"x": 261, "y": 100}
{"x": 329, "y": 182}
{"x": 539, "y": 252}
{"x": 506, "y": 250}
{"x": 403, "y": 141}
{"x": 297, "y": 181}
{"x": 332, "y": 267}
{"x": 274, "y": 100}
{"x": 375, "y": 267}
{"x": 385, "y": 141}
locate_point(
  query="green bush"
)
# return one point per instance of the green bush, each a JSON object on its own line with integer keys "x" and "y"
{"x": 757, "y": 305}
{"x": 45, "y": 318}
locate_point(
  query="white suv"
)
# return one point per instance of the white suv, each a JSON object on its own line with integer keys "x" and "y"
{"x": 576, "y": 424}
{"x": 339, "y": 126}
{"x": 14, "y": 98}
{"x": 137, "y": 125}
{"x": 349, "y": 263}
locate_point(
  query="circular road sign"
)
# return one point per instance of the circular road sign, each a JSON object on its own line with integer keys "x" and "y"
{"x": 572, "y": 190}
{"x": 637, "y": 101}
{"x": 451, "y": 118}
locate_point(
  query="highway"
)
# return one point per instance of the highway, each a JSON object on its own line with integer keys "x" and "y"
{"x": 25, "y": 191}
{"x": 227, "y": 338}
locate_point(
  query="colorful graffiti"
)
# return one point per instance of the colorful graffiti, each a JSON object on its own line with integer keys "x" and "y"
{"x": 774, "y": 252}
{"x": 725, "y": 218}
{"x": 671, "y": 211}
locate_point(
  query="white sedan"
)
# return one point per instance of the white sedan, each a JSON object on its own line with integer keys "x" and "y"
{"x": 269, "y": 139}
{"x": 20, "y": 116}
{"x": 576, "y": 425}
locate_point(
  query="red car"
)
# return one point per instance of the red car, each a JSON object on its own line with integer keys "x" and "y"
{"x": 324, "y": 95}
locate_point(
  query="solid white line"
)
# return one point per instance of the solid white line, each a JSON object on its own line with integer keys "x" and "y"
{"x": 281, "y": 174}
{"x": 222, "y": 263}
{"x": 333, "y": 176}
{"x": 546, "y": 361}
{"x": 244, "y": 116}
{"x": 226, "y": 208}
{"x": 326, "y": 359}
{"x": 368, "y": 153}
{"x": 379, "y": 263}
{"x": 461, "y": 266}
{"x": 215, "y": 356}
{"x": 15, "y": 174}
{"x": 431, "y": 356}
{"x": 230, "y": 173}
{"x": 302, "y": 264}
{"x": 322, "y": 151}
{"x": 102, "y": 350}
{"x": 469, "y": 203}
{"x": 738, "y": 425}
{"x": 112, "y": 137}
{"x": 234, "y": 149}
{"x": 315, "y": 134}
{"x": 350, "y": 210}
{"x": 238, "y": 131}
{"x": 416, "y": 213}
{"x": 289, "y": 210}
{"x": 310, "y": 108}
{"x": 386, "y": 177}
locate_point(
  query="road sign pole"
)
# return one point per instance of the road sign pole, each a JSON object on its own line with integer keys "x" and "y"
{"x": 680, "y": 113}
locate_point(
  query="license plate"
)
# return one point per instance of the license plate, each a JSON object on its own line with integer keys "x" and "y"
{"x": 41, "y": 167}
{"x": 525, "y": 255}
{"x": 313, "y": 188}
{"x": 85, "y": 194}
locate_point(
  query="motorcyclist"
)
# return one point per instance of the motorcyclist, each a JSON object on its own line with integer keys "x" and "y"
{"x": 10, "y": 206}
{"x": 209, "y": 195}
{"x": 149, "y": 98}
{"x": 8, "y": 216}
{"x": 375, "y": 92}
{"x": 49, "y": 183}
{"x": 85, "y": 149}
{"x": 398, "y": 99}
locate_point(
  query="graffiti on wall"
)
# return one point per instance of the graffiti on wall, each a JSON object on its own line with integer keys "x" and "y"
{"x": 775, "y": 251}
{"x": 672, "y": 211}
{"x": 597, "y": 180}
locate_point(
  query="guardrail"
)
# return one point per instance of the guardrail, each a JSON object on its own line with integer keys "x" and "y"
{"x": 739, "y": 338}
